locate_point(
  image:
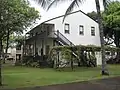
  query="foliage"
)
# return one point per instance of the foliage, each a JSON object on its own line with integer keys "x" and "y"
{"x": 112, "y": 22}
{"x": 75, "y": 3}
{"x": 52, "y": 57}
{"x": 30, "y": 62}
{"x": 85, "y": 54}
{"x": 87, "y": 48}
{"x": 18, "y": 41}
{"x": 112, "y": 25}
{"x": 35, "y": 61}
{"x": 14, "y": 41}
{"x": 66, "y": 54}
{"x": 16, "y": 16}
{"x": 93, "y": 15}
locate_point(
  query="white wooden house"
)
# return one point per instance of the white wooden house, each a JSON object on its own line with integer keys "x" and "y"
{"x": 77, "y": 29}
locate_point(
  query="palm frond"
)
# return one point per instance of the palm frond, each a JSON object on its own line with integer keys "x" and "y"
{"x": 106, "y": 3}
{"x": 44, "y": 3}
{"x": 50, "y": 3}
{"x": 71, "y": 7}
{"x": 54, "y": 2}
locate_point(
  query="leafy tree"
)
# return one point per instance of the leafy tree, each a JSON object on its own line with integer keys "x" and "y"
{"x": 15, "y": 16}
{"x": 93, "y": 15}
{"x": 75, "y": 3}
{"x": 112, "y": 24}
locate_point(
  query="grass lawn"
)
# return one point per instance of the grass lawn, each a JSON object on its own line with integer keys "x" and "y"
{"x": 16, "y": 77}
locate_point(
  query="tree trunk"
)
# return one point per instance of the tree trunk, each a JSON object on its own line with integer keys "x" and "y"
{"x": 104, "y": 69}
{"x": 7, "y": 45}
{"x": 0, "y": 62}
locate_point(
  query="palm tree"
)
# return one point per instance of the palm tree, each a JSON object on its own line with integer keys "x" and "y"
{"x": 104, "y": 69}
{"x": 74, "y": 3}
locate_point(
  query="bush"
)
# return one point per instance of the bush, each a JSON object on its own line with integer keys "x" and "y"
{"x": 35, "y": 64}
{"x": 37, "y": 61}
{"x": 83, "y": 55}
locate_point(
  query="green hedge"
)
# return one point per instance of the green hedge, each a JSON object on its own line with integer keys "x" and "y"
{"x": 85, "y": 54}
{"x": 87, "y": 48}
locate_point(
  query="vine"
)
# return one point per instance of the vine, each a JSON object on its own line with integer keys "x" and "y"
{"x": 85, "y": 54}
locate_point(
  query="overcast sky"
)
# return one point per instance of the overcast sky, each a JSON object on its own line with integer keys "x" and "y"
{"x": 87, "y": 6}
{"x": 58, "y": 10}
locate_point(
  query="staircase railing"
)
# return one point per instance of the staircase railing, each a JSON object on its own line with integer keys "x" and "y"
{"x": 60, "y": 36}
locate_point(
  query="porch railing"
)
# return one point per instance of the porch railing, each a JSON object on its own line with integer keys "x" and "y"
{"x": 61, "y": 37}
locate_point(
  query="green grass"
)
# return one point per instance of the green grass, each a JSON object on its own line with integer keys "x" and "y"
{"x": 15, "y": 77}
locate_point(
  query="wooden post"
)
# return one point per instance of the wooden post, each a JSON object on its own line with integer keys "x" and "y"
{"x": 58, "y": 59}
{"x": 71, "y": 58}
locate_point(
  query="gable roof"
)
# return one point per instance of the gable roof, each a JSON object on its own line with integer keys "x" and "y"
{"x": 63, "y": 16}
{"x": 69, "y": 14}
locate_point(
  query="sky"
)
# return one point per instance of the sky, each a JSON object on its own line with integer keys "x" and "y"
{"x": 87, "y": 6}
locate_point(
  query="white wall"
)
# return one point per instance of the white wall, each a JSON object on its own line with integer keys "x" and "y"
{"x": 74, "y": 20}
{"x": 99, "y": 58}
{"x": 12, "y": 52}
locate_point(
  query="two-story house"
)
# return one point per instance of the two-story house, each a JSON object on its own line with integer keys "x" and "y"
{"x": 77, "y": 29}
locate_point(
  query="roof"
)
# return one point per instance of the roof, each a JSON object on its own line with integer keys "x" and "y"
{"x": 63, "y": 16}
{"x": 69, "y": 14}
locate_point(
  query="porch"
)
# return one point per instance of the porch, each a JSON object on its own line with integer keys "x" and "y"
{"x": 39, "y": 41}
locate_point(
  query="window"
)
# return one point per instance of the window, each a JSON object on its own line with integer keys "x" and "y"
{"x": 67, "y": 28}
{"x": 81, "y": 30}
{"x": 92, "y": 31}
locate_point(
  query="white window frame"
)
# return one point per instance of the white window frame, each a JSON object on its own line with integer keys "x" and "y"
{"x": 81, "y": 30}
{"x": 67, "y": 28}
{"x": 92, "y": 31}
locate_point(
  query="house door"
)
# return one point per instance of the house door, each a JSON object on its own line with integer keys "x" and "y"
{"x": 47, "y": 49}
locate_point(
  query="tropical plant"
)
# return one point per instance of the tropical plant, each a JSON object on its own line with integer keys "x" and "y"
{"x": 93, "y": 15}
{"x": 111, "y": 18}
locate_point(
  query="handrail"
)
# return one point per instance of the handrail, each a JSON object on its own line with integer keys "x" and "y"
{"x": 60, "y": 35}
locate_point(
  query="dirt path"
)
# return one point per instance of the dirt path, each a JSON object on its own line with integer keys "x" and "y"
{"x": 104, "y": 84}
